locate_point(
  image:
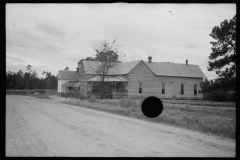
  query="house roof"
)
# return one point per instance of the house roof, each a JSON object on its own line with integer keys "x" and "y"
{"x": 175, "y": 69}
{"x": 70, "y": 83}
{"x": 126, "y": 67}
{"x": 109, "y": 79}
{"x": 77, "y": 84}
{"x": 158, "y": 68}
{"x": 68, "y": 75}
{"x": 90, "y": 66}
{"x": 120, "y": 68}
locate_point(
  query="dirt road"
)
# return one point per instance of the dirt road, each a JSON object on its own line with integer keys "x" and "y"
{"x": 36, "y": 127}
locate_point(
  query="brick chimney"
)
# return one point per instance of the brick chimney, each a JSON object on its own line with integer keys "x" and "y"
{"x": 186, "y": 62}
{"x": 149, "y": 59}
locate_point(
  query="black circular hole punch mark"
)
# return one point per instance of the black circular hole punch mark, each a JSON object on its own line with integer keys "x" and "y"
{"x": 152, "y": 107}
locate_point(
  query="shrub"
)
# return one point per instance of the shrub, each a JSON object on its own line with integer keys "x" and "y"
{"x": 42, "y": 91}
{"x": 104, "y": 90}
{"x": 16, "y": 92}
{"x": 111, "y": 102}
{"x": 200, "y": 92}
{"x": 87, "y": 96}
{"x": 231, "y": 96}
{"x": 127, "y": 103}
{"x": 174, "y": 97}
{"x": 107, "y": 96}
{"x": 123, "y": 103}
{"x": 92, "y": 99}
{"x": 135, "y": 104}
{"x": 81, "y": 96}
{"x": 216, "y": 95}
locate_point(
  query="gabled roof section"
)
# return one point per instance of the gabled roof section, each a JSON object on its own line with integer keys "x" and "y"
{"x": 119, "y": 69}
{"x": 157, "y": 68}
{"x": 141, "y": 61}
{"x": 68, "y": 75}
{"x": 90, "y": 66}
{"x": 124, "y": 68}
{"x": 175, "y": 69}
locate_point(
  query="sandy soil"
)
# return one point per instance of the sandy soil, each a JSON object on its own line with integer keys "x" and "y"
{"x": 38, "y": 127}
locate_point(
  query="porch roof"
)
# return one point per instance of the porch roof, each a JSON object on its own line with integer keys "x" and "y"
{"x": 77, "y": 84}
{"x": 70, "y": 83}
{"x": 109, "y": 79}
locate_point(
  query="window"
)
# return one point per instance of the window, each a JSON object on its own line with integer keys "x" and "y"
{"x": 195, "y": 89}
{"x": 140, "y": 87}
{"x": 70, "y": 88}
{"x": 182, "y": 89}
{"x": 163, "y": 88}
{"x": 79, "y": 88}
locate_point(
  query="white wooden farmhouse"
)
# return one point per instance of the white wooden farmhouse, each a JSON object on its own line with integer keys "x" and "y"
{"x": 139, "y": 78}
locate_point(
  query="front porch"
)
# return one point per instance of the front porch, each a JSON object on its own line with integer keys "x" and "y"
{"x": 118, "y": 84}
{"x": 71, "y": 86}
{"x": 119, "y": 88}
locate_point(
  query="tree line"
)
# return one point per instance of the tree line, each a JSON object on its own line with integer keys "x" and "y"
{"x": 223, "y": 61}
{"x": 29, "y": 80}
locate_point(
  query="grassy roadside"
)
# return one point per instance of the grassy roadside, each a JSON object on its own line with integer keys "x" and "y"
{"x": 200, "y": 103}
{"x": 213, "y": 120}
{"x": 41, "y": 96}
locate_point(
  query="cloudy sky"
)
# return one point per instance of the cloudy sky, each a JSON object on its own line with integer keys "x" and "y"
{"x": 50, "y": 37}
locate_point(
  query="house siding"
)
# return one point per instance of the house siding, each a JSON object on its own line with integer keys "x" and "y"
{"x": 84, "y": 86}
{"x": 60, "y": 86}
{"x": 152, "y": 84}
{"x": 82, "y": 70}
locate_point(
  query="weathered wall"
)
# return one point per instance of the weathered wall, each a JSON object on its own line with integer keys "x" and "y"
{"x": 83, "y": 82}
{"x": 60, "y": 87}
{"x": 82, "y": 70}
{"x": 152, "y": 85}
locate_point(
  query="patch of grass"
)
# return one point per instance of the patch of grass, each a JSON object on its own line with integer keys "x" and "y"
{"x": 41, "y": 96}
{"x": 92, "y": 99}
{"x": 199, "y": 103}
{"x": 111, "y": 102}
{"x": 218, "y": 121}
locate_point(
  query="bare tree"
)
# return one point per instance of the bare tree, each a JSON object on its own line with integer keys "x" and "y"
{"x": 107, "y": 55}
{"x": 66, "y": 69}
{"x": 29, "y": 68}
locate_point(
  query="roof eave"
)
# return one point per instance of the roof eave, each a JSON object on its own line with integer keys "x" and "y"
{"x": 178, "y": 76}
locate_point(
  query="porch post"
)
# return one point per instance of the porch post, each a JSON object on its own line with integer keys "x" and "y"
{"x": 87, "y": 87}
{"x": 112, "y": 86}
{"x": 115, "y": 86}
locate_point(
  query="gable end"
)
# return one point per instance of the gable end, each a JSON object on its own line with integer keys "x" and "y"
{"x": 141, "y": 69}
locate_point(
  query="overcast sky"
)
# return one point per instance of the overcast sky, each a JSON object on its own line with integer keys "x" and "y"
{"x": 50, "y": 37}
